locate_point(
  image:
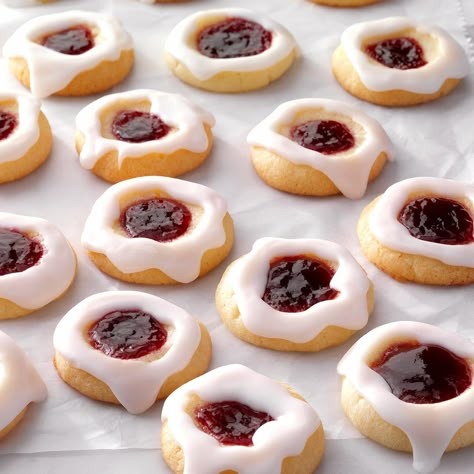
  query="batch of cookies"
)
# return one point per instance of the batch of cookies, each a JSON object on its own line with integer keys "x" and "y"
{"x": 133, "y": 348}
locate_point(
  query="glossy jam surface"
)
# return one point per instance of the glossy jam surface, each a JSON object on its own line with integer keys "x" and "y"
{"x": 233, "y": 38}
{"x": 438, "y": 220}
{"x": 230, "y": 422}
{"x": 127, "y": 334}
{"x": 294, "y": 284}
{"x": 137, "y": 127}
{"x": 18, "y": 252}
{"x": 423, "y": 373}
{"x": 324, "y": 136}
{"x": 73, "y": 41}
{"x": 397, "y": 53}
{"x": 8, "y": 123}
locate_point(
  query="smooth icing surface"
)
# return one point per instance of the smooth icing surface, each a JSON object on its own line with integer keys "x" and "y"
{"x": 135, "y": 383}
{"x": 181, "y": 45}
{"x": 429, "y": 427}
{"x": 385, "y": 227}
{"x": 294, "y": 422}
{"x": 51, "y": 71}
{"x": 449, "y": 61}
{"x": 349, "y": 170}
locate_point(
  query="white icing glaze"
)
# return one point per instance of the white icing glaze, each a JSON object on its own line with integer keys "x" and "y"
{"x": 181, "y": 258}
{"x": 186, "y": 118}
{"x": 51, "y": 276}
{"x": 135, "y": 382}
{"x": 429, "y": 427}
{"x": 51, "y": 71}
{"x": 349, "y": 170}
{"x": 385, "y": 227}
{"x": 294, "y": 422}
{"x": 450, "y": 62}
{"x": 20, "y": 384}
{"x": 179, "y": 46}
{"x": 348, "y": 309}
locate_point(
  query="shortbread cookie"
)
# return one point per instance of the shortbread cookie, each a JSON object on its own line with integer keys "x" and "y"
{"x": 229, "y": 50}
{"x": 397, "y": 61}
{"x": 295, "y": 295}
{"x": 408, "y": 386}
{"x": 70, "y": 53}
{"x": 155, "y": 230}
{"x": 233, "y": 419}
{"x": 421, "y": 230}
{"x": 141, "y": 133}
{"x": 319, "y": 147}
{"x": 346, "y": 3}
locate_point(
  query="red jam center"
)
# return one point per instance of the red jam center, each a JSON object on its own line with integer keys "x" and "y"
{"x": 438, "y": 220}
{"x": 72, "y": 41}
{"x": 324, "y": 136}
{"x": 397, "y": 53}
{"x": 8, "y": 123}
{"x": 294, "y": 284}
{"x": 158, "y": 219}
{"x": 17, "y": 252}
{"x": 127, "y": 334}
{"x": 423, "y": 373}
{"x": 233, "y": 38}
{"x": 137, "y": 127}
{"x": 231, "y": 423}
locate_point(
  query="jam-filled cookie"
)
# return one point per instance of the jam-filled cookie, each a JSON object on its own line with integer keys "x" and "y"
{"x": 25, "y": 136}
{"x": 129, "y": 348}
{"x": 408, "y": 386}
{"x": 397, "y": 61}
{"x": 37, "y": 264}
{"x": 141, "y": 133}
{"x": 70, "y": 53}
{"x": 233, "y": 419}
{"x": 229, "y": 50}
{"x": 319, "y": 147}
{"x": 295, "y": 295}
{"x": 155, "y": 230}
{"x": 421, "y": 230}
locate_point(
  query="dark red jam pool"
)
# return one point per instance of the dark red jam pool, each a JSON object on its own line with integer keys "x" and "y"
{"x": 127, "y": 334}
{"x": 229, "y": 422}
{"x": 438, "y": 220}
{"x": 233, "y": 38}
{"x": 8, "y": 123}
{"x": 324, "y": 136}
{"x": 17, "y": 252}
{"x": 137, "y": 127}
{"x": 397, "y": 53}
{"x": 294, "y": 284}
{"x": 158, "y": 219}
{"x": 72, "y": 41}
{"x": 423, "y": 373}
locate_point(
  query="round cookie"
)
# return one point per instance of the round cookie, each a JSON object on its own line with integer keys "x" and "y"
{"x": 319, "y": 147}
{"x": 419, "y": 258}
{"x": 70, "y": 53}
{"x": 199, "y": 52}
{"x": 396, "y": 62}
{"x": 289, "y": 438}
{"x": 295, "y": 295}
{"x": 346, "y": 3}
{"x": 141, "y": 133}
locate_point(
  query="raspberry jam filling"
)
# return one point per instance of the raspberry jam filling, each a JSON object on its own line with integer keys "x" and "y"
{"x": 233, "y": 38}
{"x": 127, "y": 334}
{"x": 8, "y": 123}
{"x": 137, "y": 127}
{"x": 438, "y": 220}
{"x": 294, "y": 284}
{"x": 229, "y": 422}
{"x": 17, "y": 252}
{"x": 423, "y": 373}
{"x": 158, "y": 219}
{"x": 72, "y": 41}
{"x": 324, "y": 136}
{"x": 397, "y": 53}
